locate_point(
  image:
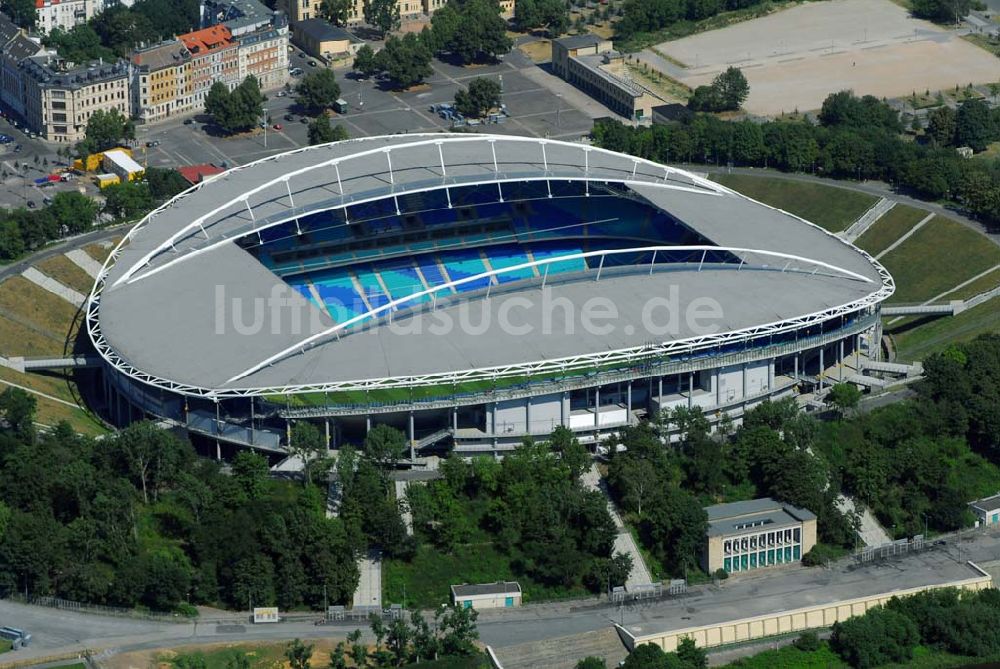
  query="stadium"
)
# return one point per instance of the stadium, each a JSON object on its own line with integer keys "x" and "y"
{"x": 470, "y": 290}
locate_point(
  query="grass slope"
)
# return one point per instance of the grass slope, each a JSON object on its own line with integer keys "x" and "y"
{"x": 916, "y": 340}
{"x": 36, "y": 305}
{"x": 827, "y": 206}
{"x": 66, "y": 272}
{"x": 889, "y": 228}
{"x": 939, "y": 256}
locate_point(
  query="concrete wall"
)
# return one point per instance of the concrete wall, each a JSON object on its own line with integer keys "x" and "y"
{"x": 820, "y": 615}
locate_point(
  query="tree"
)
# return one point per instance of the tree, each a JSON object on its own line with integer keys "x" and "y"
{"x": 481, "y": 32}
{"x": 552, "y": 15}
{"x": 17, "y": 409}
{"x": 309, "y": 445}
{"x": 941, "y": 125}
{"x": 105, "y": 129}
{"x": 942, "y": 11}
{"x": 251, "y": 471}
{"x": 318, "y": 91}
{"x": 299, "y": 654}
{"x": 236, "y": 111}
{"x": 78, "y": 44}
{"x": 321, "y": 131}
{"x": 384, "y": 445}
{"x": 365, "y": 63}
{"x": 337, "y": 12}
{"x": 690, "y": 656}
{"x": 732, "y": 88}
{"x": 646, "y": 656}
{"x": 406, "y": 60}
{"x": 844, "y": 396}
{"x": 73, "y": 211}
{"x": 457, "y": 627}
{"x": 973, "y": 125}
{"x": 22, "y": 12}
{"x": 879, "y": 637}
{"x": 592, "y": 662}
{"x": 479, "y": 98}
{"x": 383, "y": 14}
{"x": 127, "y": 200}
{"x": 165, "y": 183}
{"x": 11, "y": 240}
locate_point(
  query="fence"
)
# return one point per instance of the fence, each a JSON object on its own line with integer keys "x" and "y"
{"x": 99, "y": 609}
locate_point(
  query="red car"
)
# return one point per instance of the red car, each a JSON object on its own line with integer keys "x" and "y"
{"x": 277, "y": 126}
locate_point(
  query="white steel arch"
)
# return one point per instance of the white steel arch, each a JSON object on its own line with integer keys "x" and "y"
{"x": 545, "y": 262}
{"x": 434, "y": 140}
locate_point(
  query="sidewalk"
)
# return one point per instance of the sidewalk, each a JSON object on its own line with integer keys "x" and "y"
{"x": 624, "y": 541}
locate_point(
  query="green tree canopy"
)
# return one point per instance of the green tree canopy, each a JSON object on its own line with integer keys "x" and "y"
{"x": 383, "y": 14}
{"x": 318, "y": 91}
{"x": 321, "y": 131}
{"x": 482, "y": 95}
{"x": 239, "y": 110}
{"x": 337, "y": 12}
{"x": 365, "y": 63}
{"x": 105, "y": 130}
{"x": 405, "y": 60}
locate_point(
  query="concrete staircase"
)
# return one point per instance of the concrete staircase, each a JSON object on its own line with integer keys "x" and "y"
{"x": 868, "y": 219}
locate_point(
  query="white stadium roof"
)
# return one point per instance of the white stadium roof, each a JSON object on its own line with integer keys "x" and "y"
{"x": 154, "y": 313}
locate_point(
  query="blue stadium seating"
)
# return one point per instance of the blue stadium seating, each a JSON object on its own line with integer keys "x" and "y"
{"x": 373, "y": 291}
{"x": 462, "y": 264}
{"x": 337, "y": 291}
{"x": 561, "y": 266}
{"x": 509, "y": 256}
{"x": 401, "y": 281}
{"x": 430, "y": 270}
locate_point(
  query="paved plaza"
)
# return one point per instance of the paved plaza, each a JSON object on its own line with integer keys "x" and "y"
{"x": 794, "y": 58}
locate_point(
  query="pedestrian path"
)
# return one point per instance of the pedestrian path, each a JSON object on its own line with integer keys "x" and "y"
{"x": 82, "y": 259}
{"x": 868, "y": 219}
{"x": 624, "y": 541}
{"x": 369, "y": 590}
{"x": 53, "y": 286}
{"x": 870, "y": 531}
{"x": 401, "y": 487}
{"x": 906, "y": 236}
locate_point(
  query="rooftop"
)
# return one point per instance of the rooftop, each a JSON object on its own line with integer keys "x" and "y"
{"x": 987, "y": 504}
{"x": 737, "y": 517}
{"x": 53, "y": 72}
{"x": 168, "y": 54}
{"x": 21, "y": 47}
{"x": 324, "y": 31}
{"x": 156, "y": 307}
{"x": 207, "y": 40}
{"x": 498, "y": 588}
{"x": 594, "y": 61}
{"x": 580, "y": 41}
{"x": 195, "y": 174}
{"x": 8, "y": 29}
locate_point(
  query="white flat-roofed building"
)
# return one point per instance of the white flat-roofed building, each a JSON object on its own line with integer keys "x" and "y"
{"x": 987, "y": 510}
{"x": 499, "y": 595}
{"x": 756, "y": 533}
{"x": 120, "y": 163}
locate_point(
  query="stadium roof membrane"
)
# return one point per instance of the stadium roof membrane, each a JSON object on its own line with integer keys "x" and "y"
{"x": 161, "y": 312}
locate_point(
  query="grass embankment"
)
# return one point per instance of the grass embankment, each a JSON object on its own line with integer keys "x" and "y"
{"x": 37, "y": 323}
{"x": 832, "y": 208}
{"x": 938, "y": 257}
{"x": 918, "y": 339}
{"x": 889, "y": 228}
{"x": 790, "y": 657}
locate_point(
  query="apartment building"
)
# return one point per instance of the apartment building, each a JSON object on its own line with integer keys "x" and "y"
{"x": 162, "y": 83}
{"x": 59, "y": 98}
{"x": 261, "y": 36}
{"x": 214, "y": 57}
{"x": 16, "y": 47}
{"x": 64, "y": 14}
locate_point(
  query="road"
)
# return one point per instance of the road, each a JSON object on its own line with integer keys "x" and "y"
{"x": 61, "y": 632}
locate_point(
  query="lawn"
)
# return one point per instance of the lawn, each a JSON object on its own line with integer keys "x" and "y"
{"x": 6, "y": 645}
{"x": 917, "y": 340}
{"x": 99, "y": 252}
{"x": 17, "y": 339}
{"x": 889, "y": 228}
{"x": 830, "y": 207}
{"x": 36, "y": 305}
{"x": 66, "y": 272}
{"x": 938, "y": 257}
{"x": 790, "y": 657}
{"x": 987, "y": 282}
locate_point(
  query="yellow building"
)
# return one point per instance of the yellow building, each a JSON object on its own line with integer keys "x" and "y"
{"x": 324, "y": 40}
{"x": 590, "y": 63}
{"x": 757, "y": 533}
{"x": 163, "y": 84}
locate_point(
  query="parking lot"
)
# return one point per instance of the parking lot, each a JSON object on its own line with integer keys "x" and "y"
{"x": 539, "y": 104}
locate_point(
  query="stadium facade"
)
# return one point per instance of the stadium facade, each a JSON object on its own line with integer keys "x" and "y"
{"x": 471, "y": 290}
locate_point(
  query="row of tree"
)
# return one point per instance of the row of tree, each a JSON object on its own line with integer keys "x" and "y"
{"x": 645, "y": 16}
{"x": 857, "y": 138}
{"x": 467, "y": 31}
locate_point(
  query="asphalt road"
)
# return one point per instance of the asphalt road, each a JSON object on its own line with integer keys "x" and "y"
{"x": 58, "y": 632}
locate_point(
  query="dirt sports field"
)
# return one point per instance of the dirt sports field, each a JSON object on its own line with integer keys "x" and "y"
{"x": 794, "y": 58}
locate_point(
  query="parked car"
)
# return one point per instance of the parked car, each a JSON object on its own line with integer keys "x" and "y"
{"x": 289, "y": 117}
{"x": 277, "y": 126}
{"x": 152, "y": 143}
{"x": 17, "y": 149}
{"x": 304, "y": 119}
{"x": 295, "y": 71}
{"x": 188, "y": 121}
{"x": 31, "y": 204}
{"x": 312, "y": 63}
{"x": 282, "y": 94}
